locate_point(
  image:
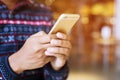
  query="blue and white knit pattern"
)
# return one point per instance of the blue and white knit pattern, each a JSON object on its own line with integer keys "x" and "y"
{"x": 15, "y": 27}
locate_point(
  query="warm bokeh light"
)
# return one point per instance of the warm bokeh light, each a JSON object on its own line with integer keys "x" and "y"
{"x": 98, "y": 9}
{"x": 95, "y": 54}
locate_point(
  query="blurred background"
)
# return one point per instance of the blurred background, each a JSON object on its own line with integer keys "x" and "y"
{"x": 95, "y": 38}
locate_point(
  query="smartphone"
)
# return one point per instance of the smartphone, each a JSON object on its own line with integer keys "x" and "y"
{"x": 65, "y": 23}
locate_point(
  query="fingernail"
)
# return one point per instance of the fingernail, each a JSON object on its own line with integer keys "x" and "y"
{"x": 60, "y": 35}
{"x": 46, "y": 53}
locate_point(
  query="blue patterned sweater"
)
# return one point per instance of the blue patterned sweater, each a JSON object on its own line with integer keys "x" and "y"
{"x": 15, "y": 27}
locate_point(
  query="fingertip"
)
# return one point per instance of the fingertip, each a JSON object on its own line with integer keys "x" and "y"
{"x": 47, "y": 53}
{"x": 61, "y": 35}
{"x": 42, "y": 33}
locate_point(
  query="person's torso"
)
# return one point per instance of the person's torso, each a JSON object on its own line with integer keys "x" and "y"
{"x": 17, "y": 25}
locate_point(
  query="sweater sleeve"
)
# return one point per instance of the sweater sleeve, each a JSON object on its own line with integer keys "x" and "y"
{"x": 51, "y": 74}
{"x": 6, "y": 70}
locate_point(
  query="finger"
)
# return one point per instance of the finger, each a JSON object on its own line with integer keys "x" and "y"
{"x": 62, "y": 36}
{"x": 45, "y": 46}
{"x": 62, "y": 56}
{"x": 57, "y": 50}
{"x": 41, "y": 39}
{"x": 44, "y": 39}
{"x": 53, "y": 36}
{"x": 41, "y": 48}
{"x": 61, "y": 43}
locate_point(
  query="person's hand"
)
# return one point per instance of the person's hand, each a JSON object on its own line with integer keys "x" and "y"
{"x": 31, "y": 55}
{"x": 60, "y": 48}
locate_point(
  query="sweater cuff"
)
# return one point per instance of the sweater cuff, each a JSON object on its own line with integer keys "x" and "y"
{"x": 62, "y": 73}
{"x": 6, "y": 70}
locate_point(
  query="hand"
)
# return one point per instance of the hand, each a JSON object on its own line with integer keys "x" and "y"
{"x": 31, "y": 55}
{"x": 60, "y": 49}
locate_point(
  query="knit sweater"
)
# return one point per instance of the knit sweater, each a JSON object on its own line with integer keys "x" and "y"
{"x": 15, "y": 27}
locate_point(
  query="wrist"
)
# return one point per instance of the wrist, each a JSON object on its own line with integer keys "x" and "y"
{"x": 14, "y": 64}
{"x": 57, "y": 64}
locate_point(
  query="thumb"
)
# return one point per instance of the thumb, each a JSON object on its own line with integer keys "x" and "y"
{"x": 41, "y": 33}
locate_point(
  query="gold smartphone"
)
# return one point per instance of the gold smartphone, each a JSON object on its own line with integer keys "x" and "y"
{"x": 65, "y": 23}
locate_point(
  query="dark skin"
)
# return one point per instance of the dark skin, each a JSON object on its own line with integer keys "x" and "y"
{"x": 39, "y": 49}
